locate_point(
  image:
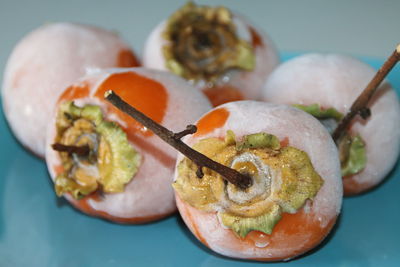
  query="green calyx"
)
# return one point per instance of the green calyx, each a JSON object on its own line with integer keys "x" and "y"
{"x": 353, "y": 154}
{"x": 64, "y": 184}
{"x": 111, "y": 162}
{"x": 202, "y": 43}
{"x": 259, "y": 140}
{"x": 283, "y": 180}
{"x": 319, "y": 113}
{"x": 243, "y": 225}
{"x": 352, "y": 151}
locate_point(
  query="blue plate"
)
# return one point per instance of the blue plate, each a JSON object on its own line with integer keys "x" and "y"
{"x": 38, "y": 229}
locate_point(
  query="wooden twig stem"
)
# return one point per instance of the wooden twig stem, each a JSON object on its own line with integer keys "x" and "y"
{"x": 360, "y": 105}
{"x": 78, "y": 150}
{"x": 174, "y": 139}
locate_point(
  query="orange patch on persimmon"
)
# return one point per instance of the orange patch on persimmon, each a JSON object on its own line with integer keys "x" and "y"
{"x": 222, "y": 94}
{"x": 284, "y": 142}
{"x": 73, "y": 92}
{"x": 255, "y": 38}
{"x": 212, "y": 120}
{"x": 147, "y": 95}
{"x": 58, "y": 169}
{"x": 351, "y": 187}
{"x": 126, "y": 59}
{"x": 300, "y": 229}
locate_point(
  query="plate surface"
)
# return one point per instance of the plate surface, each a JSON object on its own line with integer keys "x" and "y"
{"x": 37, "y": 229}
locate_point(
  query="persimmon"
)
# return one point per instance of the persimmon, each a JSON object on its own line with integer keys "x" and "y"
{"x": 106, "y": 163}
{"x": 44, "y": 63}
{"x": 296, "y": 189}
{"x": 326, "y": 85}
{"x": 218, "y": 51}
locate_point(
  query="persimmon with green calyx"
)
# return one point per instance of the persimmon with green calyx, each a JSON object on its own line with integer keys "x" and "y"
{"x": 107, "y": 164}
{"x": 234, "y": 195}
{"x": 283, "y": 179}
{"x": 111, "y": 161}
{"x": 44, "y": 63}
{"x": 336, "y": 82}
{"x": 352, "y": 150}
{"x": 215, "y": 49}
{"x": 296, "y": 192}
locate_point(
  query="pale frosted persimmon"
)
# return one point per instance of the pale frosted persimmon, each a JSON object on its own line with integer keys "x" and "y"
{"x": 335, "y": 81}
{"x": 44, "y": 63}
{"x": 219, "y": 51}
{"x": 146, "y": 194}
{"x": 295, "y": 232}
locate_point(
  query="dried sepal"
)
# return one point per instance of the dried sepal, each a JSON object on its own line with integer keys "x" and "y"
{"x": 203, "y": 44}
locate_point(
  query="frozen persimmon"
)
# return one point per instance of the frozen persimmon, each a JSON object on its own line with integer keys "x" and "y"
{"x": 326, "y": 85}
{"x": 217, "y": 50}
{"x": 106, "y": 163}
{"x": 44, "y": 63}
{"x": 296, "y": 191}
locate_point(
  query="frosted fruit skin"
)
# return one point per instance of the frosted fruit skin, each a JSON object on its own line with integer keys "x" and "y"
{"x": 149, "y": 194}
{"x": 43, "y": 64}
{"x": 249, "y": 83}
{"x": 334, "y": 80}
{"x": 303, "y": 132}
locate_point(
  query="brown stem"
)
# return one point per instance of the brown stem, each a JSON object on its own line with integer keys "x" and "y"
{"x": 190, "y": 129}
{"x": 173, "y": 139}
{"x": 359, "y": 106}
{"x": 79, "y": 150}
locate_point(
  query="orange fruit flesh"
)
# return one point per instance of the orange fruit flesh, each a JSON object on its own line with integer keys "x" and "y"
{"x": 146, "y": 95}
{"x": 297, "y": 233}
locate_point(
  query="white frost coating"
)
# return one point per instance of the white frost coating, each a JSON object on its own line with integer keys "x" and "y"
{"x": 42, "y": 65}
{"x": 336, "y": 81}
{"x": 248, "y": 82}
{"x": 150, "y": 192}
{"x": 305, "y": 133}
{"x": 153, "y": 57}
